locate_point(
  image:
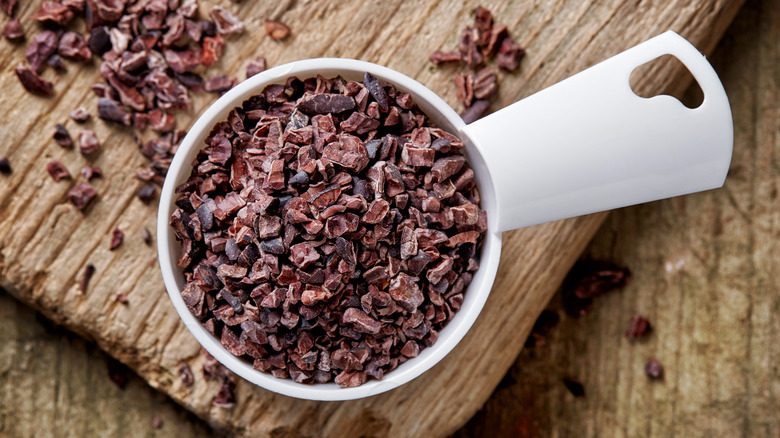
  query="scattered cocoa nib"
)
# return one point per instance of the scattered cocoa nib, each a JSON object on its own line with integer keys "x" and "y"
{"x": 88, "y": 142}
{"x": 440, "y": 57}
{"x": 57, "y": 171}
{"x": 638, "y": 327}
{"x": 654, "y": 369}
{"x": 8, "y": 7}
{"x": 186, "y": 376}
{"x": 54, "y": 12}
{"x": 226, "y": 22}
{"x": 5, "y": 166}
{"x": 546, "y": 321}
{"x": 118, "y": 373}
{"x": 12, "y": 30}
{"x": 89, "y": 271}
{"x": 146, "y": 193}
{"x": 157, "y": 422}
{"x": 575, "y": 388}
{"x": 328, "y": 231}
{"x": 110, "y": 111}
{"x": 61, "y": 136}
{"x": 89, "y": 172}
{"x": 276, "y": 29}
{"x": 81, "y": 195}
{"x": 55, "y": 62}
{"x": 509, "y": 55}
{"x": 116, "y": 238}
{"x": 73, "y": 46}
{"x": 32, "y": 82}
{"x": 121, "y": 298}
{"x": 42, "y": 46}
{"x": 80, "y": 115}
{"x": 219, "y": 84}
{"x": 588, "y": 279}
{"x": 226, "y": 397}
{"x": 147, "y": 236}
{"x": 475, "y": 111}
{"x": 255, "y": 66}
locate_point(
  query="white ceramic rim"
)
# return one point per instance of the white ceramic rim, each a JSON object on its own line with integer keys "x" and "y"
{"x": 442, "y": 115}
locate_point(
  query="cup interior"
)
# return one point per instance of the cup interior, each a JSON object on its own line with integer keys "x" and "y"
{"x": 440, "y": 114}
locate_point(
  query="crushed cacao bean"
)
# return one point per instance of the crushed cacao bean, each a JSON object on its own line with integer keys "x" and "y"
{"x": 638, "y": 327}
{"x": 57, "y": 171}
{"x": 12, "y": 30}
{"x": 8, "y": 7}
{"x": 185, "y": 374}
{"x": 147, "y": 236}
{"x": 146, "y": 193}
{"x": 89, "y": 271}
{"x": 116, "y": 238}
{"x": 88, "y": 142}
{"x": 588, "y": 279}
{"x": 89, "y": 172}
{"x": 32, "y": 82}
{"x": 42, "y": 46}
{"x": 5, "y": 166}
{"x": 255, "y": 66}
{"x": 654, "y": 369}
{"x": 546, "y": 321}
{"x": 305, "y": 245}
{"x": 575, "y": 388}
{"x": 61, "y": 136}
{"x": 80, "y": 115}
{"x": 276, "y": 29}
{"x": 81, "y": 195}
{"x": 118, "y": 372}
{"x": 121, "y": 298}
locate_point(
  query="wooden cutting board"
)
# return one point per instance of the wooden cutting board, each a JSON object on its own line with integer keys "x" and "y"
{"x": 45, "y": 243}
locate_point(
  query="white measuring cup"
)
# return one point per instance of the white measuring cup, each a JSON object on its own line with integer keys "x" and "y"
{"x": 584, "y": 145}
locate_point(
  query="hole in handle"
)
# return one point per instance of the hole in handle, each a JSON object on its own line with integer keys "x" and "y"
{"x": 679, "y": 82}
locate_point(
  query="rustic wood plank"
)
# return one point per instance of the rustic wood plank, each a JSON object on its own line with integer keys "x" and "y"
{"x": 45, "y": 243}
{"x": 704, "y": 273}
{"x": 56, "y": 384}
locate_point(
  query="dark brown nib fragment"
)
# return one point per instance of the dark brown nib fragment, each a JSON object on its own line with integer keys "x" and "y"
{"x": 88, "y": 142}
{"x": 32, "y": 82}
{"x": 328, "y": 231}
{"x": 57, "y": 171}
{"x": 575, "y": 388}
{"x": 219, "y": 84}
{"x": 5, "y": 166}
{"x": 12, "y": 30}
{"x": 8, "y": 7}
{"x": 276, "y": 29}
{"x": 146, "y": 236}
{"x": 146, "y": 193}
{"x": 475, "y": 111}
{"x": 89, "y": 271}
{"x": 61, "y": 136}
{"x": 440, "y": 57}
{"x": 110, "y": 111}
{"x": 255, "y": 66}
{"x": 116, "y": 238}
{"x": 638, "y": 327}
{"x": 118, "y": 372}
{"x": 89, "y": 172}
{"x": 81, "y": 195}
{"x": 122, "y": 298}
{"x": 546, "y": 321}
{"x": 80, "y": 115}
{"x": 654, "y": 369}
{"x": 42, "y": 46}
{"x": 589, "y": 279}
{"x": 226, "y": 22}
{"x": 186, "y": 376}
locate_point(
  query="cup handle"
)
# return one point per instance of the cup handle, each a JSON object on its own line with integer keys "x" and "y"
{"x": 589, "y": 143}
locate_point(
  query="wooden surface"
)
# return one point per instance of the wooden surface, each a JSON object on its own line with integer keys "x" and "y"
{"x": 706, "y": 273}
{"x": 55, "y": 384}
{"x": 45, "y": 243}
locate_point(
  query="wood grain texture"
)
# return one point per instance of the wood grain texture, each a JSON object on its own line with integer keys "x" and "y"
{"x": 55, "y": 384}
{"x": 705, "y": 273}
{"x": 45, "y": 243}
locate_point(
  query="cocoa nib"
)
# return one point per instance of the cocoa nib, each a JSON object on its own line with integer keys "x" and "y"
{"x": 255, "y": 66}
{"x": 638, "y": 327}
{"x": 110, "y": 110}
{"x": 89, "y": 271}
{"x": 575, "y": 388}
{"x": 185, "y": 374}
{"x": 654, "y": 369}
{"x": 42, "y": 46}
{"x": 5, "y": 166}
{"x": 328, "y": 231}
{"x": 57, "y": 171}
{"x": 226, "y": 22}
{"x": 8, "y": 7}
{"x": 89, "y": 172}
{"x": 116, "y": 238}
{"x": 81, "y": 195}
{"x": 146, "y": 193}
{"x": 441, "y": 57}
{"x": 589, "y": 279}
{"x": 475, "y": 111}
{"x": 61, "y": 136}
{"x": 12, "y": 30}
{"x": 276, "y": 29}
{"x": 80, "y": 115}
{"x": 88, "y": 142}
{"x": 32, "y": 82}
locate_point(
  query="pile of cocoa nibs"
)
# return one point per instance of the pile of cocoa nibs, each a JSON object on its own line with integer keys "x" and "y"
{"x": 328, "y": 230}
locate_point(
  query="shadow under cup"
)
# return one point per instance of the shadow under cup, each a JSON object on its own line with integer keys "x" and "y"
{"x": 440, "y": 114}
